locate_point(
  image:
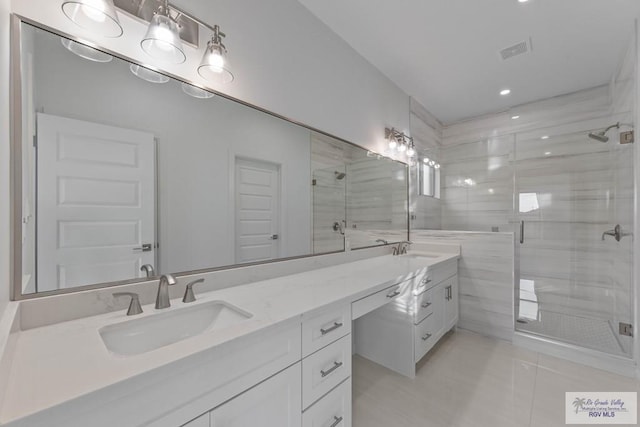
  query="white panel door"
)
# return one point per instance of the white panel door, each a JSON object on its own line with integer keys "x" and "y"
{"x": 96, "y": 202}
{"x": 274, "y": 403}
{"x": 257, "y": 195}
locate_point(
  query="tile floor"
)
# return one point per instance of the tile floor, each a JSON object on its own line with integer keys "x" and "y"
{"x": 472, "y": 380}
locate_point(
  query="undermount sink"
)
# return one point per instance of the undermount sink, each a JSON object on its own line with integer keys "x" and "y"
{"x": 421, "y": 255}
{"x": 159, "y": 330}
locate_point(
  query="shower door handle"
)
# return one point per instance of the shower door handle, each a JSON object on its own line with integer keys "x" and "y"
{"x": 521, "y": 232}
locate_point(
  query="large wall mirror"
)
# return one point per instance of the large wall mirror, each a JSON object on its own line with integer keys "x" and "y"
{"x": 127, "y": 174}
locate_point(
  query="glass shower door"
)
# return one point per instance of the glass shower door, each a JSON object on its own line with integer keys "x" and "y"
{"x": 329, "y": 209}
{"x": 573, "y": 286}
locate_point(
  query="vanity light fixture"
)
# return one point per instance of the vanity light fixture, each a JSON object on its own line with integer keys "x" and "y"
{"x": 147, "y": 74}
{"x": 196, "y": 92}
{"x": 392, "y": 142}
{"x": 213, "y": 66}
{"x": 162, "y": 40}
{"x": 400, "y": 141}
{"x": 84, "y": 51}
{"x": 98, "y": 16}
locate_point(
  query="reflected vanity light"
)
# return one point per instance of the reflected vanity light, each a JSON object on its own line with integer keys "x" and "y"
{"x": 98, "y": 16}
{"x": 400, "y": 141}
{"x": 162, "y": 40}
{"x": 213, "y": 66}
{"x": 147, "y": 74}
{"x": 196, "y": 92}
{"x": 85, "y": 52}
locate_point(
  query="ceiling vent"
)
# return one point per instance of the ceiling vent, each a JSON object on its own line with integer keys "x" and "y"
{"x": 516, "y": 49}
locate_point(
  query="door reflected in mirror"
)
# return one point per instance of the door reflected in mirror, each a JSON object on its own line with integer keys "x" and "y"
{"x": 130, "y": 177}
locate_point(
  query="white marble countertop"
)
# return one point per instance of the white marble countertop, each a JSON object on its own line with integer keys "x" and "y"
{"x": 55, "y": 364}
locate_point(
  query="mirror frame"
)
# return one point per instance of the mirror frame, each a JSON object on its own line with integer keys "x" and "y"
{"x": 15, "y": 156}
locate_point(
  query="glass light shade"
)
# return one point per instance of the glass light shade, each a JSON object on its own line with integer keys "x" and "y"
{"x": 196, "y": 92}
{"x": 147, "y": 74}
{"x": 98, "y": 16}
{"x": 402, "y": 148}
{"x": 411, "y": 152}
{"x": 393, "y": 144}
{"x": 162, "y": 40}
{"x": 84, "y": 51}
{"x": 213, "y": 66}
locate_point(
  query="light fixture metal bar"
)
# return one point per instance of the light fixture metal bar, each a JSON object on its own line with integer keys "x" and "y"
{"x": 143, "y": 10}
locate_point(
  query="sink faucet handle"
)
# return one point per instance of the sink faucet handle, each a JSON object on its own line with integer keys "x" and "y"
{"x": 188, "y": 292}
{"x": 134, "y": 305}
{"x": 148, "y": 270}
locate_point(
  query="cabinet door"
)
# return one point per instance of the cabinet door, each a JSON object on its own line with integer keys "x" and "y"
{"x": 274, "y": 403}
{"x": 451, "y": 306}
{"x": 201, "y": 421}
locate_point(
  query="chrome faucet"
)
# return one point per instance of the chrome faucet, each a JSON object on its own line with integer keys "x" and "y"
{"x": 401, "y": 248}
{"x": 148, "y": 270}
{"x": 616, "y": 233}
{"x": 162, "y": 301}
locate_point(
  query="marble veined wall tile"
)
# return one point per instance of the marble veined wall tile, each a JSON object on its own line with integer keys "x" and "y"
{"x": 568, "y": 189}
{"x": 485, "y": 276}
{"x": 426, "y": 130}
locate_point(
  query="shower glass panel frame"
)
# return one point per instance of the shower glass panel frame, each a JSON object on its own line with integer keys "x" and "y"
{"x": 571, "y": 285}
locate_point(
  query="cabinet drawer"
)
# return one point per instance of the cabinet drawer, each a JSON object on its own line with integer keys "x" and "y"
{"x": 333, "y": 410}
{"x": 325, "y": 369}
{"x": 324, "y": 328}
{"x": 425, "y": 336}
{"x": 369, "y": 303}
{"x": 423, "y": 305}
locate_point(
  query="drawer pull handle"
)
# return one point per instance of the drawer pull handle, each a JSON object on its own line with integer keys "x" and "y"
{"x": 335, "y": 366}
{"x": 335, "y": 326}
{"x": 426, "y": 280}
{"x": 337, "y": 420}
{"x": 426, "y": 304}
{"x": 393, "y": 294}
{"x": 426, "y": 337}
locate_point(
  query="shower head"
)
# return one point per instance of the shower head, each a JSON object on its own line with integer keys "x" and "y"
{"x": 340, "y": 175}
{"x": 602, "y": 136}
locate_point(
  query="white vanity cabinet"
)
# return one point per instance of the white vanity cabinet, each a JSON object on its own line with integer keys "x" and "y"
{"x": 397, "y": 335}
{"x": 326, "y": 368}
{"x": 273, "y": 403}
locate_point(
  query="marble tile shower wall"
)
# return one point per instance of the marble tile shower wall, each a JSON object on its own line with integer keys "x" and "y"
{"x": 581, "y": 188}
{"x": 426, "y": 130}
{"x": 485, "y": 278}
{"x": 328, "y": 197}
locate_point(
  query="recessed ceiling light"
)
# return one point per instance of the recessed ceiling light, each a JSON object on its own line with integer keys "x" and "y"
{"x": 505, "y": 92}
{"x": 522, "y": 1}
{"x": 544, "y": 137}
{"x": 547, "y": 153}
{"x": 515, "y": 117}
